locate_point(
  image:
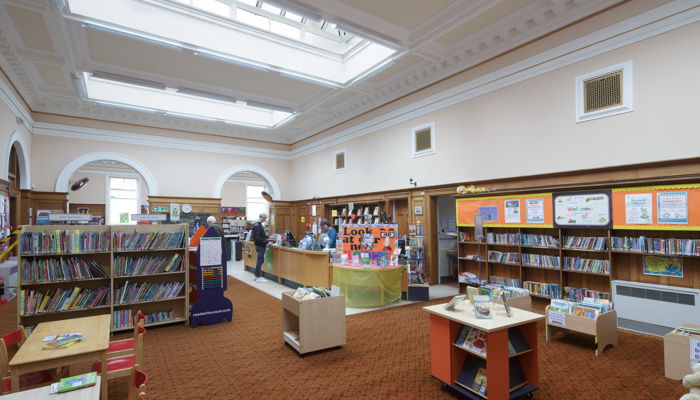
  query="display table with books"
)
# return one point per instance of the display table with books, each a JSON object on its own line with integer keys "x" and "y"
{"x": 369, "y": 287}
{"x": 582, "y": 317}
{"x": 466, "y": 349}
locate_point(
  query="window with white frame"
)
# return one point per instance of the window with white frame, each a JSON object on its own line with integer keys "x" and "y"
{"x": 255, "y": 203}
{"x": 124, "y": 195}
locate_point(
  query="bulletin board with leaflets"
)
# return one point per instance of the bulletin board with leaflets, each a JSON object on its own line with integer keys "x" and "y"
{"x": 510, "y": 211}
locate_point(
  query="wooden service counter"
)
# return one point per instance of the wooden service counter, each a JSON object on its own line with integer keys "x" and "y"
{"x": 305, "y": 267}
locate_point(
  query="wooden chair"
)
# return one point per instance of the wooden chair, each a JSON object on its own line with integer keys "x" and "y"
{"x": 26, "y": 381}
{"x": 122, "y": 366}
{"x": 120, "y": 348}
{"x": 137, "y": 384}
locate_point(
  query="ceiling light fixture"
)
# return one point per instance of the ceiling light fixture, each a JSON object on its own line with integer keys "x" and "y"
{"x": 369, "y": 73}
{"x": 127, "y": 106}
{"x": 310, "y": 79}
{"x": 232, "y": 60}
{"x": 189, "y": 116}
{"x": 207, "y": 95}
{"x": 133, "y": 35}
{"x": 268, "y": 106}
{"x": 128, "y": 80}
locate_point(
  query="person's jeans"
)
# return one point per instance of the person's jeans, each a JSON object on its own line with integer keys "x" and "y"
{"x": 261, "y": 260}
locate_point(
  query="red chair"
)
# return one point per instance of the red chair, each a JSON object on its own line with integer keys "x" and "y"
{"x": 120, "y": 348}
{"x": 122, "y": 366}
{"x": 137, "y": 384}
{"x": 32, "y": 379}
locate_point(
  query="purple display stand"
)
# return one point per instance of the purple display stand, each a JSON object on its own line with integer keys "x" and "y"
{"x": 212, "y": 307}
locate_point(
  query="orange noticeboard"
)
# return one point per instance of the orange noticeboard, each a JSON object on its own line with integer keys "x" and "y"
{"x": 513, "y": 211}
{"x": 672, "y": 207}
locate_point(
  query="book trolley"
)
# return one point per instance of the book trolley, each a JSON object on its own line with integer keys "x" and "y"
{"x": 677, "y": 352}
{"x": 314, "y": 324}
{"x": 508, "y": 376}
{"x": 603, "y": 327}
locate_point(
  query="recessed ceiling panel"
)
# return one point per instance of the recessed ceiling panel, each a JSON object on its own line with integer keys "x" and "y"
{"x": 407, "y": 14}
{"x": 490, "y": 16}
{"x": 51, "y": 75}
{"x": 403, "y": 63}
{"x": 338, "y": 99}
{"x": 31, "y": 28}
{"x": 152, "y": 59}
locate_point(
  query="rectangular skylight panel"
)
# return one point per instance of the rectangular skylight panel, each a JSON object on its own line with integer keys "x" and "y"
{"x": 251, "y": 19}
{"x": 293, "y": 17}
{"x": 213, "y": 6}
{"x": 271, "y": 9}
{"x": 251, "y": 3}
{"x": 285, "y": 30}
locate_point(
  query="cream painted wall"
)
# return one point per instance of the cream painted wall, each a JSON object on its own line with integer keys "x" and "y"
{"x": 233, "y": 195}
{"x": 176, "y": 172}
{"x": 529, "y": 128}
{"x": 95, "y": 191}
{"x": 8, "y": 127}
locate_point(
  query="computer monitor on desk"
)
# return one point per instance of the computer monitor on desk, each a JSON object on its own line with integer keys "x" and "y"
{"x": 288, "y": 239}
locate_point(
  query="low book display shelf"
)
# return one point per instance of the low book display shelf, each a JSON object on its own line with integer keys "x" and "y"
{"x": 313, "y": 324}
{"x": 603, "y": 327}
{"x": 507, "y": 369}
{"x": 677, "y": 350}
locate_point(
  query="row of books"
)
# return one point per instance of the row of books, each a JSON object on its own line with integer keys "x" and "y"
{"x": 417, "y": 276}
{"x": 464, "y": 237}
{"x": 310, "y": 293}
{"x": 474, "y": 340}
{"x": 585, "y": 243}
{"x": 503, "y": 238}
{"x": 359, "y": 211}
{"x": 578, "y": 294}
{"x": 416, "y": 230}
{"x": 126, "y": 266}
{"x": 505, "y": 258}
{"x": 62, "y": 241}
{"x": 159, "y": 316}
{"x": 589, "y": 307}
{"x": 122, "y": 319}
{"x": 687, "y": 331}
{"x": 541, "y": 260}
{"x": 552, "y": 290}
{"x": 416, "y": 241}
{"x": 522, "y": 239}
{"x": 148, "y": 240}
{"x": 682, "y": 247}
{"x": 61, "y": 299}
{"x": 497, "y": 280}
{"x": 586, "y": 265}
{"x": 146, "y": 291}
{"x": 494, "y": 291}
{"x": 416, "y": 253}
{"x": 60, "y": 269}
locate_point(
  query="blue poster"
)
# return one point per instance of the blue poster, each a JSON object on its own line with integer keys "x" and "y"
{"x": 489, "y": 213}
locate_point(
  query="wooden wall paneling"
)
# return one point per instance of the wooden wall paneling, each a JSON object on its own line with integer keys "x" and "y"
{"x": 31, "y": 202}
{"x": 96, "y": 210}
{"x": 202, "y": 205}
{"x": 282, "y": 210}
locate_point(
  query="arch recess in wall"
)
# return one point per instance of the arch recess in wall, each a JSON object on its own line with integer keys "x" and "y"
{"x": 62, "y": 183}
{"x": 271, "y": 183}
{"x": 24, "y": 169}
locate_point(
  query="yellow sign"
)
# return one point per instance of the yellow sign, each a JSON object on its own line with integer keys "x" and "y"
{"x": 334, "y": 213}
{"x": 303, "y": 219}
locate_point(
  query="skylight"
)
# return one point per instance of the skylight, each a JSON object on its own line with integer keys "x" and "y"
{"x": 116, "y": 92}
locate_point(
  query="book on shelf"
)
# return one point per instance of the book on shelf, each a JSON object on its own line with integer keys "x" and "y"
{"x": 482, "y": 307}
{"x": 462, "y": 335}
{"x": 561, "y": 305}
{"x": 479, "y": 384}
{"x": 73, "y": 383}
{"x": 473, "y": 371}
{"x": 292, "y": 334}
{"x": 475, "y": 341}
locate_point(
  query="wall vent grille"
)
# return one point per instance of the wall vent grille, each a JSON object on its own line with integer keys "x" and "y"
{"x": 603, "y": 92}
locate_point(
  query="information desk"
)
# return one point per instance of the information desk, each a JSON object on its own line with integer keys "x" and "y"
{"x": 508, "y": 376}
{"x": 93, "y": 347}
{"x": 369, "y": 287}
{"x": 305, "y": 267}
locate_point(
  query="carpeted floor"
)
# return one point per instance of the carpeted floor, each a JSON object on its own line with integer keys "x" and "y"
{"x": 387, "y": 356}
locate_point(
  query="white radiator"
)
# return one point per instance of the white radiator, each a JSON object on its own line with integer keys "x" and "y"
{"x": 654, "y": 309}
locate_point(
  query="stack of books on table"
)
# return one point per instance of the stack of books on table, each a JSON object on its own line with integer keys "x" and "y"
{"x": 62, "y": 341}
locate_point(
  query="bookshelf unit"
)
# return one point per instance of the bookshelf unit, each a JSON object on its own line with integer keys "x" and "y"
{"x": 57, "y": 262}
{"x": 344, "y": 212}
{"x": 318, "y": 323}
{"x": 233, "y": 225}
{"x": 508, "y": 375}
{"x": 418, "y": 286}
{"x": 469, "y": 259}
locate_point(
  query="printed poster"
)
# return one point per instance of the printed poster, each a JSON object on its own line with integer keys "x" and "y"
{"x": 638, "y": 209}
{"x": 583, "y": 209}
{"x": 673, "y": 208}
{"x": 174, "y": 212}
{"x": 535, "y": 211}
{"x": 209, "y": 251}
{"x": 372, "y": 238}
{"x": 512, "y": 211}
{"x": 663, "y": 266}
{"x": 489, "y": 213}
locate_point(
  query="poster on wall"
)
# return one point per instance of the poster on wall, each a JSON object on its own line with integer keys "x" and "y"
{"x": 489, "y": 213}
{"x": 512, "y": 211}
{"x": 638, "y": 209}
{"x": 535, "y": 211}
{"x": 583, "y": 209}
{"x": 378, "y": 240}
{"x": 663, "y": 266}
{"x": 174, "y": 212}
{"x": 672, "y": 207}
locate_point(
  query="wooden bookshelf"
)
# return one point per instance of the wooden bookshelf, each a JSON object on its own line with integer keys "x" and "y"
{"x": 319, "y": 323}
{"x": 603, "y": 327}
{"x": 36, "y": 262}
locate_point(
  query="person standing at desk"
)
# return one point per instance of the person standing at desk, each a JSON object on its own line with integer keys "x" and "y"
{"x": 328, "y": 230}
{"x": 211, "y": 222}
{"x": 259, "y": 238}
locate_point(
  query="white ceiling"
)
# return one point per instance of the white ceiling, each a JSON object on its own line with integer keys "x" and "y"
{"x": 40, "y": 49}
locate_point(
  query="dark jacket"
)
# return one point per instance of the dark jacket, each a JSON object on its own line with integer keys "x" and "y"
{"x": 258, "y": 236}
